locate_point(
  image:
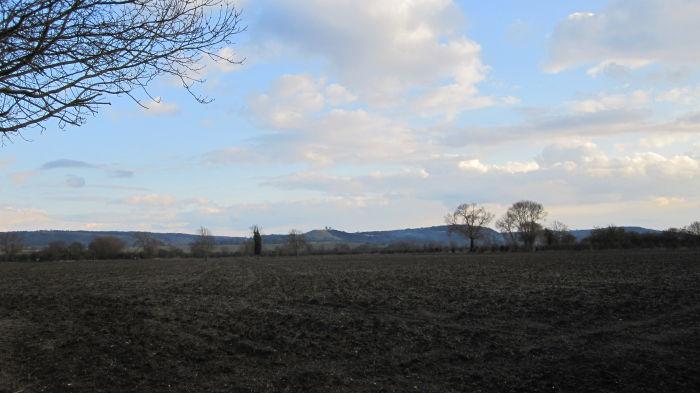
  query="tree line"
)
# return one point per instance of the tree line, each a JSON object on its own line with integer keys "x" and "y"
{"x": 523, "y": 228}
{"x": 146, "y": 246}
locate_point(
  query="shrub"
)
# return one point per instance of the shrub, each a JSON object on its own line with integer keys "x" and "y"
{"x": 106, "y": 247}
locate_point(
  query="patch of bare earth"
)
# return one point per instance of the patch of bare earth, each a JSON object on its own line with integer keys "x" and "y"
{"x": 583, "y": 322}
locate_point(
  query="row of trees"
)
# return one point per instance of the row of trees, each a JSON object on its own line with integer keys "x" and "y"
{"x": 468, "y": 220}
{"x": 614, "y": 237}
{"x": 522, "y": 226}
{"x": 101, "y": 247}
{"x": 145, "y": 245}
{"x": 205, "y": 244}
{"x": 522, "y": 222}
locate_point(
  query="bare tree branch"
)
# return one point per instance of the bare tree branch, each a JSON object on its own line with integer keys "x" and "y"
{"x": 59, "y": 59}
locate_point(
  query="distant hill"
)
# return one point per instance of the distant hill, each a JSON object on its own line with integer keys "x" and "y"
{"x": 584, "y": 233}
{"x": 436, "y": 234}
{"x": 39, "y": 239}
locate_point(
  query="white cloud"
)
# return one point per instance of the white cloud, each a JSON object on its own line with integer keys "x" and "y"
{"x": 628, "y": 33}
{"x": 649, "y": 163}
{"x": 151, "y": 200}
{"x": 510, "y": 167}
{"x": 228, "y": 61}
{"x": 607, "y": 102}
{"x": 665, "y": 201}
{"x": 617, "y": 67}
{"x": 316, "y": 130}
{"x": 158, "y": 107}
{"x": 659, "y": 141}
{"x": 588, "y": 159}
{"x": 357, "y": 135}
{"x": 686, "y": 95}
{"x": 289, "y": 102}
{"x": 451, "y": 100}
{"x": 580, "y": 15}
{"x": 19, "y": 218}
{"x": 383, "y": 49}
{"x": 337, "y": 95}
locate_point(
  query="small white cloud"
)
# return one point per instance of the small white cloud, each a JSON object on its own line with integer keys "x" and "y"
{"x": 151, "y": 200}
{"x": 664, "y": 201}
{"x": 517, "y": 167}
{"x": 510, "y": 167}
{"x": 227, "y": 61}
{"x": 615, "y": 68}
{"x": 580, "y": 15}
{"x": 606, "y": 102}
{"x": 473, "y": 165}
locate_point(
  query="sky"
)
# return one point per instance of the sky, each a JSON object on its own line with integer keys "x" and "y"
{"x": 371, "y": 115}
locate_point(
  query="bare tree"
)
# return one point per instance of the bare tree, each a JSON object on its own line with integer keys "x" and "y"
{"x": 558, "y": 234}
{"x": 60, "y": 59}
{"x": 469, "y": 220}
{"x": 204, "y": 245}
{"x": 693, "y": 228}
{"x": 148, "y": 244}
{"x": 527, "y": 216}
{"x": 509, "y": 228}
{"x": 296, "y": 242}
{"x": 11, "y": 244}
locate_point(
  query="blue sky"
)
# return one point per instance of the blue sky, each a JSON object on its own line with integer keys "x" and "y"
{"x": 376, "y": 115}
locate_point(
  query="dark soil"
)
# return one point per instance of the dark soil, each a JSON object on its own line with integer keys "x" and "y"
{"x": 549, "y": 322}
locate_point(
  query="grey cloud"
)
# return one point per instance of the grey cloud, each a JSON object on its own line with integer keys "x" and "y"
{"x": 602, "y": 123}
{"x": 65, "y": 163}
{"x": 628, "y": 33}
{"x": 121, "y": 173}
{"x": 692, "y": 118}
{"x": 75, "y": 182}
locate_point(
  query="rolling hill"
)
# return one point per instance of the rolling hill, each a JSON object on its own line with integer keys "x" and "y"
{"x": 435, "y": 234}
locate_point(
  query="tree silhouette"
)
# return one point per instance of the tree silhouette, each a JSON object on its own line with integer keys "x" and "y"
{"x": 60, "y": 59}
{"x": 469, "y": 220}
